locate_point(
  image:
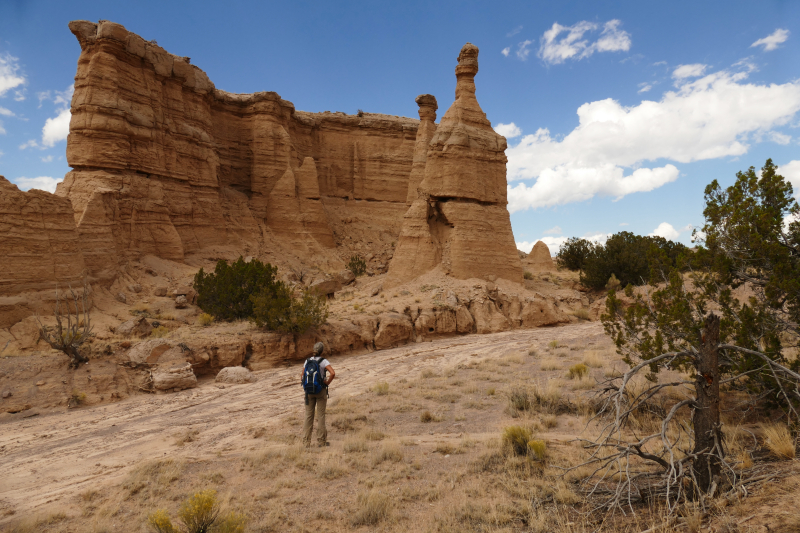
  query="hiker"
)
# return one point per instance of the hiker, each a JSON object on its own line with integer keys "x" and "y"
{"x": 317, "y": 375}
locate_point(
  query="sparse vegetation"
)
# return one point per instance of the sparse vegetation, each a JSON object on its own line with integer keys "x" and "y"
{"x": 73, "y": 326}
{"x": 357, "y": 266}
{"x": 578, "y": 371}
{"x": 226, "y": 293}
{"x": 280, "y": 310}
{"x": 527, "y": 275}
{"x": 205, "y": 319}
{"x": 373, "y": 508}
{"x": 381, "y": 388}
{"x": 160, "y": 332}
{"x": 198, "y": 514}
{"x": 515, "y": 439}
{"x": 778, "y": 440}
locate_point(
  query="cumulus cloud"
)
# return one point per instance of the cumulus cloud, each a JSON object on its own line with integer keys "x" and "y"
{"x": 555, "y": 230}
{"x": 29, "y": 144}
{"x": 791, "y": 171}
{"x": 689, "y": 71}
{"x": 715, "y": 116}
{"x": 560, "y": 43}
{"x": 47, "y": 159}
{"x": 56, "y": 128}
{"x": 43, "y": 183}
{"x": 666, "y": 230}
{"x": 505, "y": 51}
{"x": 509, "y": 131}
{"x": 773, "y": 40}
{"x": 10, "y": 76}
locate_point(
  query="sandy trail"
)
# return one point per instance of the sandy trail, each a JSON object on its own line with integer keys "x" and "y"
{"x": 52, "y": 456}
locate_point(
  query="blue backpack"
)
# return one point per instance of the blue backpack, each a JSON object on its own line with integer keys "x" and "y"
{"x": 313, "y": 376}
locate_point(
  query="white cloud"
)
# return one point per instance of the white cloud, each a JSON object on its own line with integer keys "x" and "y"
{"x": 6, "y": 112}
{"x": 715, "y": 116}
{"x": 509, "y": 131}
{"x": 570, "y": 182}
{"x": 525, "y": 246}
{"x": 56, "y": 129}
{"x": 47, "y": 159}
{"x": 791, "y": 171}
{"x": 523, "y": 49}
{"x": 666, "y": 230}
{"x": 771, "y": 41}
{"x": 554, "y": 50}
{"x": 514, "y": 31}
{"x": 644, "y": 87}
{"x": 10, "y": 76}
{"x": 19, "y": 96}
{"x": 43, "y": 183}
{"x": 780, "y": 138}
{"x": 689, "y": 71}
{"x": 505, "y": 51}
{"x": 555, "y": 230}
{"x": 624, "y": 224}
{"x": 29, "y": 144}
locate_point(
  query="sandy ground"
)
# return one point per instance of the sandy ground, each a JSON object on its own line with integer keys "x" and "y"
{"x": 53, "y": 456}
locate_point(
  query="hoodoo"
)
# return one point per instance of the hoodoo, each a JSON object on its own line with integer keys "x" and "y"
{"x": 459, "y": 218}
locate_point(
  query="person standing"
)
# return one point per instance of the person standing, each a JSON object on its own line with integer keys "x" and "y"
{"x": 317, "y": 375}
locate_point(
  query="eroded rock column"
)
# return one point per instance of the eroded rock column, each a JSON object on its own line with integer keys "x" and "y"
{"x": 459, "y": 218}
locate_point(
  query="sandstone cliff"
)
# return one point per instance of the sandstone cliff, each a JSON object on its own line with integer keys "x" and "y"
{"x": 165, "y": 164}
{"x": 459, "y": 218}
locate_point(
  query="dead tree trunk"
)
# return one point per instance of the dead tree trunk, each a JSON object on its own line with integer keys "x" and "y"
{"x": 707, "y": 434}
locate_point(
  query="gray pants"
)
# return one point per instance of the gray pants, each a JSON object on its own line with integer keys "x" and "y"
{"x": 316, "y": 402}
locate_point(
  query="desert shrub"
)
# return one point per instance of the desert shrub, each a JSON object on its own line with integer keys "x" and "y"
{"x": 277, "y": 309}
{"x": 582, "y": 314}
{"x": 381, "y": 388}
{"x": 426, "y": 417}
{"x": 198, "y": 514}
{"x": 578, "y": 371}
{"x": 205, "y": 319}
{"x": 518, "y": 399}
{"x": 527, "y": 275}
{"x": 515, "y": 439}
{"x": 373, "y": 507}
{"x": 77, "y": 397}
{"x": 553, "y": 344}
{"x": 573, "y": 253}
{"x": 226, "y": 292}
{"x": 537, "y": 449}
{"x": 160, "y": 332}
{"x": 357, "y": 265}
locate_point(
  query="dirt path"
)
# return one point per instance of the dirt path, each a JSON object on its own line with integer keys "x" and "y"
{"x": 52, "y": 456}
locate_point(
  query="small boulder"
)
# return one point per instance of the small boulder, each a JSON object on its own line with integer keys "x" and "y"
{"x": 235, "y": 374}
{"x": 346, "y": 277}
{"x": 176, "y": 378}
{"x": 160, "y": 291}
{"x": 135, "y": 288}
{"x": 7, "y": 394}
{"x": 326, "y": 286}
{"x": 121, "y": 298}
{"x": 450, "y": 299}
{"x": 376, "y": 291}
{"x": 134, "y": 327}
{"x": 181, "y": 302}
{"x": 148, "y": 351}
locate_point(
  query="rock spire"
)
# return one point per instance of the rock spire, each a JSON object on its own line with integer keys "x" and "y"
{"x": 459, "y": 218}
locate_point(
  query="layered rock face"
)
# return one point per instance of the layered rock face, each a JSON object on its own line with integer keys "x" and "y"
{"x": 165, "y": 164}
{"x": 539, "y": 260}
{"x": 459, "y": 218}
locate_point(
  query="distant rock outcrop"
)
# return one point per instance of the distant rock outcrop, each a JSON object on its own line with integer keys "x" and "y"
{"x": 459, "y": 218}
{"x": 539, "y": 260}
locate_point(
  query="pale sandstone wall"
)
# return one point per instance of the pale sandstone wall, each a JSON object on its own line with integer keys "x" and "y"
{"x": 166, "y": 164}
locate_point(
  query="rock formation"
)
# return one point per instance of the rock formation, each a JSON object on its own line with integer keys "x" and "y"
{"x": 539, "y": 260}
{"x": 165, "y": 164}
{"x": 459, "y": 218}
{"x": 427, "y": 127}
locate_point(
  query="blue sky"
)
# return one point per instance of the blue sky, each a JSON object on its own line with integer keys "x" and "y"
{"x": 618, "y": 115}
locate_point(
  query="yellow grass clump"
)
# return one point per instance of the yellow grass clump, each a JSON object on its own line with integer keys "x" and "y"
{"x": 778, "y": 440}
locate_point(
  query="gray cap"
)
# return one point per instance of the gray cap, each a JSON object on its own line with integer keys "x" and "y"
{"x": 319, "y": 348}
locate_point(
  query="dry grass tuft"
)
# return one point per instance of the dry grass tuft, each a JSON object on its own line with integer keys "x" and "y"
{"x": 592, "y": 359}
{"x": 578, "y": 371}
{"x": 381, "y": 388}
{"x": 355, "y": 445}
{"x": 551, "y": 364}
{"x": 373, "y": 508}
{"x": 778, "y": 440}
